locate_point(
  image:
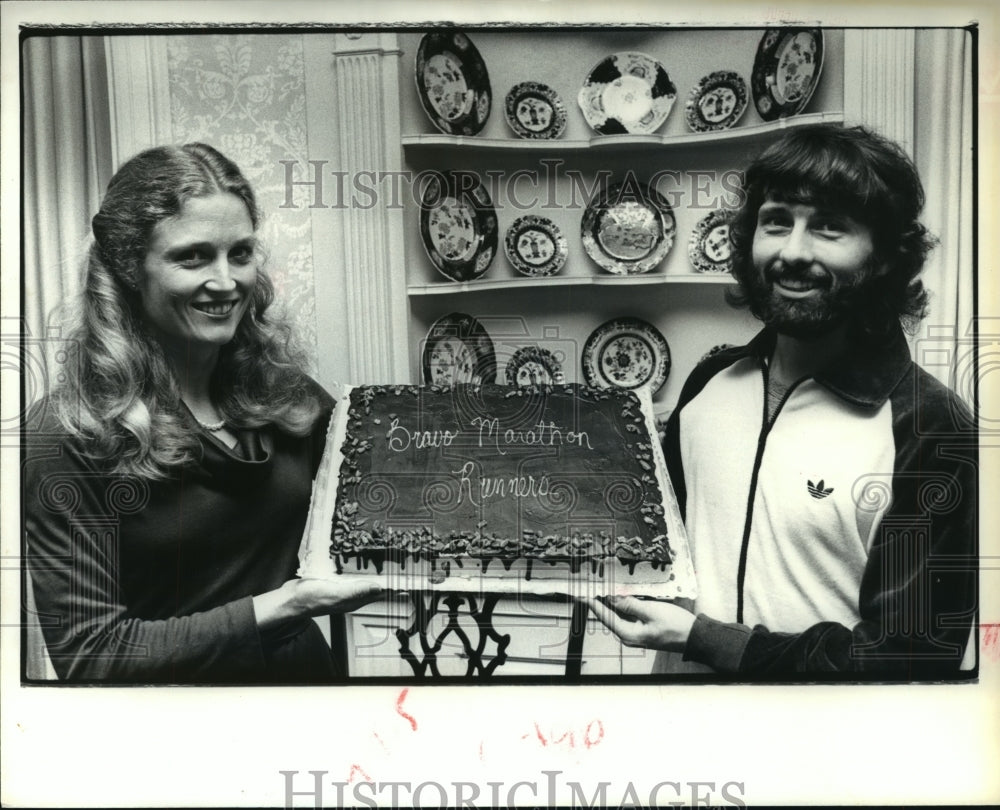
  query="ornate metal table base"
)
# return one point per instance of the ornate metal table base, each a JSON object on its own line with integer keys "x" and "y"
{"x": 426, "y": 607}
{"x": 481, "y": 662}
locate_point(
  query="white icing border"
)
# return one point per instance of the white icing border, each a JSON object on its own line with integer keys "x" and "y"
{"x": 314, "y": 551}
{"x": 546, "y": 580}
{"x": 685, "y": 583}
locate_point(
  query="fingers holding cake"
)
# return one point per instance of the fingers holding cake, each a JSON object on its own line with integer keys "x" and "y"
{"x": 644, "y": 622}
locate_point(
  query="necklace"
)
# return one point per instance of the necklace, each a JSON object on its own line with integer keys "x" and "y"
{"x": 211, "y": 427}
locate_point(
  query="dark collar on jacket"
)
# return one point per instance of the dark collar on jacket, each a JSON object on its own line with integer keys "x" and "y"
{"x": 864, "y": 375}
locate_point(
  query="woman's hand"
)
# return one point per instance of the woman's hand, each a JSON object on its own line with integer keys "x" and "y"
{"x": 645, "y": 622}
{"x": 302, "y": 598}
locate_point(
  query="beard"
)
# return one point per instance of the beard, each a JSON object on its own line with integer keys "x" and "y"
{"x": 808, "y": 318}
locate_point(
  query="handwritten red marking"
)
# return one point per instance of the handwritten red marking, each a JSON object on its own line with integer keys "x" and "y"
{"x": 565, "y": 735}
{"x": 380, "y": 742}
{"x": 590, "y": 741}
{"x": 482, "y": 757}
{"x": 592, "y": 735}
{"x": 357, "y": 770}
{"x": 991, "y": 640}
{"x": 404, "y": 715}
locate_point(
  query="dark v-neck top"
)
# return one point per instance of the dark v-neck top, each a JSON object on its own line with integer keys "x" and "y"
{"x": 153, "y": 581}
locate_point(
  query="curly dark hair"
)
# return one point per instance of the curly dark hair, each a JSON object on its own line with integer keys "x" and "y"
{"x": 864, "y": 175}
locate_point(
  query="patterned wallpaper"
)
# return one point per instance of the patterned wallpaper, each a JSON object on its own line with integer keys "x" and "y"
{"x": 245, "y": 95}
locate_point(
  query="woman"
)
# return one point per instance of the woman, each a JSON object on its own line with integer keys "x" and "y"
{"x": 168, "y": 477}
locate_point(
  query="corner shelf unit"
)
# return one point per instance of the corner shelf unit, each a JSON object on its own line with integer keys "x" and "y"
{"x": 695, "y": 171}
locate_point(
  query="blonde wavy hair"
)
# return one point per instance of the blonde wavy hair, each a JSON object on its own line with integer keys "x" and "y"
{"x": 119, "y": 394}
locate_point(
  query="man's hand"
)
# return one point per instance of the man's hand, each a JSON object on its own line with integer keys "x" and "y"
{"x": 644, "y": 622}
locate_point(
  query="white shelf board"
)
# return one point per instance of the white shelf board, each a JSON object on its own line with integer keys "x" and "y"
{"x": 482, "y": 285}
{"x": 611, "y": 142}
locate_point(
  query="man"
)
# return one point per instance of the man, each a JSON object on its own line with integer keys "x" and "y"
{"x": 828, "y": 484}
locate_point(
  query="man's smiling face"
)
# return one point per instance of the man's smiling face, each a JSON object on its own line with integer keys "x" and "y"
{"x": 811, "y": 265}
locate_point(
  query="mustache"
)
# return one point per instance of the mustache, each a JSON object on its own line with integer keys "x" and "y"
{"x": 777, "y": 271}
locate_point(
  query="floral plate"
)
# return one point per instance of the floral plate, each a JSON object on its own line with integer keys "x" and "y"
{"x": 458, "y": 225}
{"x": 626, "y": 353}
{"x": 710, "y": 249}
{"x": 786, "y": 71}
{"x": 626, "y": 93}
{"x": 531, "y": 365}
{"x": 535, "y": 110}
{"x": 717, "y": 102}
{"x": 452, "y": 82}
{"x": 458, "y": 350}
{"x": 535, "y": 246}
{"x": 628, "y": 229}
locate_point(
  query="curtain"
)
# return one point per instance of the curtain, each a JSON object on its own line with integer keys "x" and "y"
{"x": 943, "y": 154}
{"x": 67, "y": 164}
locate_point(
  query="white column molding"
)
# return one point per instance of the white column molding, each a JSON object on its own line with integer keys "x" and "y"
{"x": 880, "y": 81}
{"x": 366, "y": 82}
{"x": 138, "y": 95}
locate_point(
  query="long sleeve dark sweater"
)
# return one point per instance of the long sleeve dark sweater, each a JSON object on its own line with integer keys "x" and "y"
{"x": 152, "y": 581}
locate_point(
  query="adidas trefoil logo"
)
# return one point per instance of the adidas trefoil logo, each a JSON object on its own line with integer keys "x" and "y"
{"x": 817, "y": 490}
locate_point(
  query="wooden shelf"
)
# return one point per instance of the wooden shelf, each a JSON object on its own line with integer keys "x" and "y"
{"x": 482, "y": 285}
{"x": 637, "y": 143}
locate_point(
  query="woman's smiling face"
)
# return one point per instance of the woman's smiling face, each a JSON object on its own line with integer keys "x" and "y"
{"x": 199, "y": 272}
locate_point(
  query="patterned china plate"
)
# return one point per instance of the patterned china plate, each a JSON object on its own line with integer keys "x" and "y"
{"x": 458, "y": 225}
{"x": 710, "y": 249}
{"x": 626, "y": 353}
{"x": 535, "y": 110}
{"x": 717, "y": 102}
{"x": 535, "y": 246}
{"x": 627, "y": 93}
{"x": 628, "y": 229}
{"x": 458, "y": 350}
{"x": 786, "y": 71}
{"x": 532, "y": 365}
{"x": 452, "y": 83}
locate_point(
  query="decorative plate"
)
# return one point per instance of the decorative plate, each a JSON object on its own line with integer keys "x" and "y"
{"x": 458, "y": 350}
{"x": 786, "y": 71}
{"x": 535, "y": 246}
{"x": 710, "y": 250}
{"x": 628, "y": 229}
{"x": 626, "y": 353}
{"x": 452, "y": 82}
{"x": 717, "y": 102}
{"x": 458, "y": 225}
{"x": 532, "y": 365}
{"x": 627, "y": 93}
{"x": 535, "y": 110}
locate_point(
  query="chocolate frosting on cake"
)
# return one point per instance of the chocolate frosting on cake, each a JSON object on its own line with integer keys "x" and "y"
{"x": 483, "y": 474}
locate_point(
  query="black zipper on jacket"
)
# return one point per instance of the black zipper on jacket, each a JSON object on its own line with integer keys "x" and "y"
{"x": 751, "y": 496}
